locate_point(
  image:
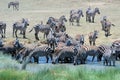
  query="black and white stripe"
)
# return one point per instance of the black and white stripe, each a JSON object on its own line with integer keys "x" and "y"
{"x": 90, "y": 50}
{"x": 116, "y": 45}
{"x": 108, "y": 54}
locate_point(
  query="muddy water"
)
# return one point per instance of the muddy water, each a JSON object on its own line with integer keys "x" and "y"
{"x": 34, "y": 67}
{"x": 7, "y": 62}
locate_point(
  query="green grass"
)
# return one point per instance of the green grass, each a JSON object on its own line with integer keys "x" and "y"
{"x": 61, "y": 73}
{"x": 11, "y": 70}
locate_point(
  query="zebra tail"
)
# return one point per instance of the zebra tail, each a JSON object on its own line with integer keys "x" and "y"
{"x": 113, "y": 24}
{"x": 31, "y": 30}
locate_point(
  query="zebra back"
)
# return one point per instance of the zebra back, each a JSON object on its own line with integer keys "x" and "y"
{"x": 103, "y": 48}
{"x": 89, "y": 48}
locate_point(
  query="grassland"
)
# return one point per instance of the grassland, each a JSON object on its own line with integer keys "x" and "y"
{"x": 39, "y": 10}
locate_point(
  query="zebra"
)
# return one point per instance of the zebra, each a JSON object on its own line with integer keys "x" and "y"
{"x": 3, "y": 29}
{"x": 20, "y": 26}
{"x": 90, "y": 51}
{"x": 106, "y": 26}
{"x": 75, "y": 15}
{"x": 60, "y": 23}
{"x": 42, "y": 28}
{"x": 92, "y": 37}
{"x": 80, "y": 38}
{"x": 15, "y": 5}
{"x": 90, "y": 14}
{"x": 51, "y": 40}
{"x": 108, "y": 54}
{"x": 116, "y": 44}
{"x": 80, "y": 54}
{"x": 64, "y": 54}
{"x": 35, "y": 53}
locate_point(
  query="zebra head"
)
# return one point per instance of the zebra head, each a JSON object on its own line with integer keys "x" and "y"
{"x": 95, "y": 35}
{"x": 25, "y": 21}
{"x": 9, "y": 5}
{"x": 97, "y": 10}
{"x": 50, "y": 19}
{"x": 63, "y": 18}
{"x": 80, "y": 12}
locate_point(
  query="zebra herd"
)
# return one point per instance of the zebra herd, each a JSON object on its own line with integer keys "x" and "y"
{"x": 61, "y": 47}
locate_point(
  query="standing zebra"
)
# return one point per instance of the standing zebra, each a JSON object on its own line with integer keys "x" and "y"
{"x": 90, "y": 51}
{"x": 76, "y": 15}
{"x": 108, "y": 54}
{"x": 90, "y": 14}
{"x": 2, "y": 29}
{"x": 15, "y": 5}
{"x": 92, "y": 37}
{"x": 116, "y": 44}
{"x": 20, "y": 26}
{"x": 106, "y": 26}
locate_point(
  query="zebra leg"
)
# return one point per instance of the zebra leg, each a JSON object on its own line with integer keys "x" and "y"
{"x": 1, "y": 31}
{"x": 113, "y": 62}
{"x": 106, "y": 62}
{"x": 36, "y": 36}
{"x": 17, "y": 7}
{"x": 93, "y": 19}
{"x": 109, "y": 32}
{"x": 93, "y": 43}
{"x": 24, "y": 33}
{"x": 4, "y": 33}
{"x": 78, "y": 22}
{"x": 75, "y": 60}
{"x": 93, "y": 58}
{"x": 106, "y": 34}
{"x": 109, "y": 62}
{"x": 86, "y": 18}
{"x": 90, "y": 42}
{"x": 51, "y": 57}
{"x": 89, "y": 18}
{"x": 16, "y": 33}
{"x": 47, "y": 59}
{"x": 44, "y": 35}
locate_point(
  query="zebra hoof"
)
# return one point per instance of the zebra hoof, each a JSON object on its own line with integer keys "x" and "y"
{"x": 74, "y": 64}
{"x": 24, "y": 37}
{"x": 53, "y": 63}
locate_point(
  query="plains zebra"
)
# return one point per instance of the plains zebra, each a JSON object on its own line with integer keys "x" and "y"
{"x": 15, "y": 5}
{"x": 90, "y": 51}
{"x": 60, "y": 23}
{"x": 92, "y": 37}
{"x": 76, "y": 15}
{"x": 42, "y": 28}
{"x": 108, "y": 54}
{"x": 20, "y": 26}
{"x": 80, "y": 54}
{"x": 90, "y": 14}
{"x": 3, "y": 29}
{"x": 64, "y": 54}
{"x": 37, "y": 52}
{"x": 116, "y": 44}
{"x": 106, "y": 26}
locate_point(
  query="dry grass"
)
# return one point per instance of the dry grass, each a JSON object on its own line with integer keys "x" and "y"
{"x": 40, "y": 10}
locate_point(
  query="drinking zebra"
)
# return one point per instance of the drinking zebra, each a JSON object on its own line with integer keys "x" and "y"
{"x": 108, "y": 54}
